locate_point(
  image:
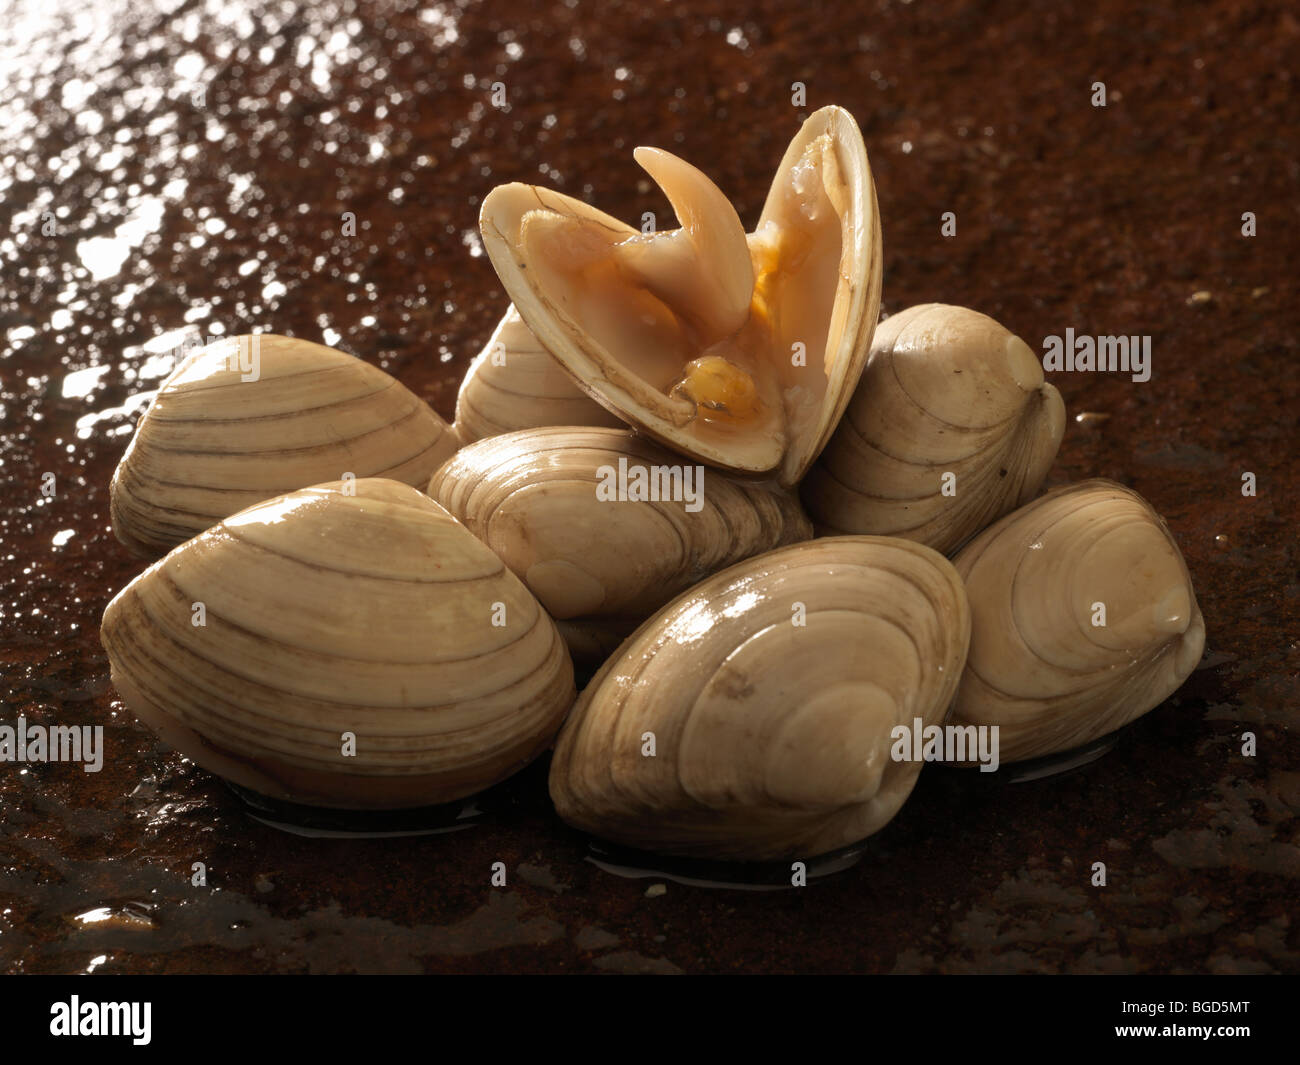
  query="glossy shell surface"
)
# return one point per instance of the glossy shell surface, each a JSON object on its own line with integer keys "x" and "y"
{"x": 250, "y": 418}
{"x": 951, "y": 426}
{"x": 342, "y": 650}
{"x": 603, "y": 522}
{"x": 515, "y": 383}
{"x": 753, "y": 717}
{"x": 1083, "y": 618}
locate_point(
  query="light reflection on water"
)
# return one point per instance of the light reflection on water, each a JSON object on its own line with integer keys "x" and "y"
{"x": 81, "y": 383}
{"x": 105, "y": 173}
{"x": 183, "y": 178}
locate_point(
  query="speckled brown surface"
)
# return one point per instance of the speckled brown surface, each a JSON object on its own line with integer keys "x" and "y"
{"x": 212, "y": 147}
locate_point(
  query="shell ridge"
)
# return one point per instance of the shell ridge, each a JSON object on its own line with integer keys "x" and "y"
{"x": 160, "y": 416}
{"x": 182, "y": 597}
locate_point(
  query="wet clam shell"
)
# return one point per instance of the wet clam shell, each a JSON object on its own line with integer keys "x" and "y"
{"x": 830, "y": 308}
{"x": 325, "y": 613}
{"x": 221, "y": 435}
{"x": 1039, "y": 667}
{"x": 949, "y": 400}
{"x": 770, "y": 692}
{"x": 515, "y": 383}
{"x": 542, "y": 500}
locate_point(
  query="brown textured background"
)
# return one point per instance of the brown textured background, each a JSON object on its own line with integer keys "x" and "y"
{"x": 228, "y": 206}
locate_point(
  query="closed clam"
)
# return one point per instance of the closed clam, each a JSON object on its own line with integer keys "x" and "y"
{"x": 253, "y": 417}
{"x": 737, "y": 351}
{"x": 951, "y": 426}
{"x": 515, "y": 383}
{"x": 1083, "y": 617}
{"x": 346, "y": 645}
{"x": 752, "y": 718}
{"x": 603, "y": 522}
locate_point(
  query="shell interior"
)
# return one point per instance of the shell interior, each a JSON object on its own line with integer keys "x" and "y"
{"x": 740, "y": 351}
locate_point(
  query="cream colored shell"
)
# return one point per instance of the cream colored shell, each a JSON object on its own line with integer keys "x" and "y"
{"x": 249, "y": 418}
{"x": 770, "y": 692}
{"x": 797, "y": 299}
{"x": 257, "y": 647}
{"x": 545, "y": 500}
{"x": 951, "y": 426}
{"x": 1040, "y": 667}
{"x": 515, "y": 383}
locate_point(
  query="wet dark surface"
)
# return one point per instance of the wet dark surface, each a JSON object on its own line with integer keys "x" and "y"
{"x": 187, "y": 165}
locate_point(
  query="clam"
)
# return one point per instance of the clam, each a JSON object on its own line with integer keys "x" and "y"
{"x": 347, "y": 646}
{"x": 249, "y": 418}
{"x": 951, "y": 426}
{"x": 1083, "y": 618}
{"x": 753, "y": 717}
{"x": 737, "y": 351}
{"x": 601, "y": 522}
{"x": 515, "y": 383}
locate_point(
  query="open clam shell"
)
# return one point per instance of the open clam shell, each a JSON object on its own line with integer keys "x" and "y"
{"x": 603, "y": 522}
{"x": 740, "y": 352}
{"x": 355, "y": 651}
{"x": 951, "y": 426}
{"x": 252, "y": 417}
{"x": 753, "y": 717}
{"x": 1083, "y": 618}
{"x": 515, "y": 383}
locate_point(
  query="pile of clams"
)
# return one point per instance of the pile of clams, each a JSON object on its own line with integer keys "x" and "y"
{"x": 771, "y": 531}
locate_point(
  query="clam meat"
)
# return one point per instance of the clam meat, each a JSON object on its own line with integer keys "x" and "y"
{"x": 739, "y": 351}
